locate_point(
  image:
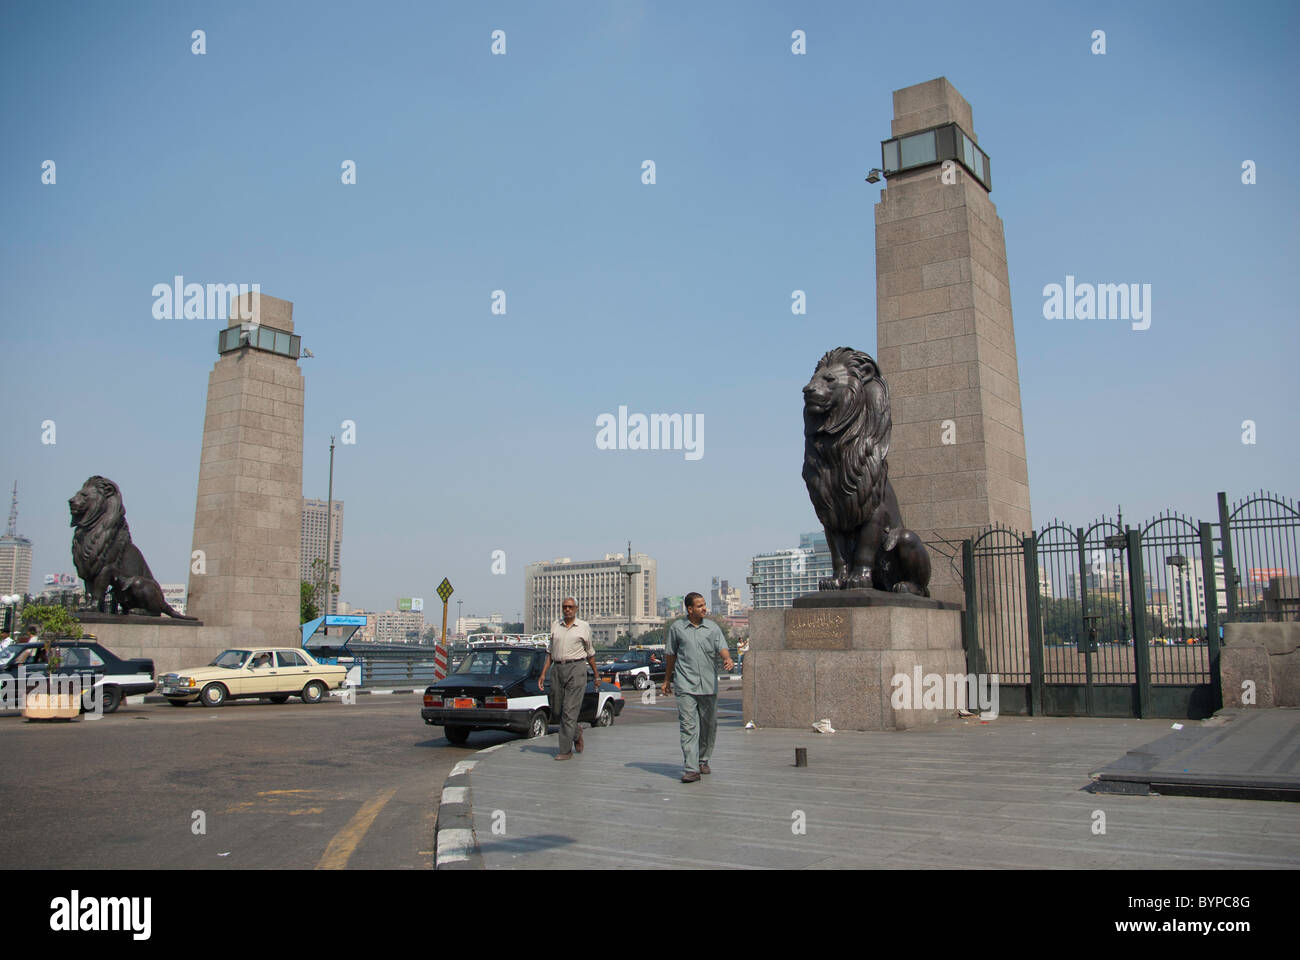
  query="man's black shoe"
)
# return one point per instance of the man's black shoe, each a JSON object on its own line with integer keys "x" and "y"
{"x": 704, "y": 767}
{"x": 690, "y": 776}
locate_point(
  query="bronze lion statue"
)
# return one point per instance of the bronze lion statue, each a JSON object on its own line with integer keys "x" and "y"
{"x": 143, "y": 593}
{"x": 846, "y": 428}
{"x": 101, "y": 546}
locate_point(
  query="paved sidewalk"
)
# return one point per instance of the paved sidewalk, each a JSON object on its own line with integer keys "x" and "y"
{"x": 1006, "y": 794}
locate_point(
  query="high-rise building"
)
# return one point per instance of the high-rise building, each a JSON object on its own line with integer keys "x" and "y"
{"x": 15, "y": 555}
{"x": 601, "y": 589}
{"x": 791, "y": 573}
{"x": 313, "y": 545}
{"x": 724, "y": 599}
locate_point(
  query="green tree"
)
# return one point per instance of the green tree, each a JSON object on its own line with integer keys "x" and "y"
{"x": 321, "y": 587}
{"x": 517, "y": 627}
{"x": 52, "y": 620}
{"x": 307, "y": 602}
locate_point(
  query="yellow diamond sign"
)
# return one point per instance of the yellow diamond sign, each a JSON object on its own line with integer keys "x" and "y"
{"x": 444, "y": 589}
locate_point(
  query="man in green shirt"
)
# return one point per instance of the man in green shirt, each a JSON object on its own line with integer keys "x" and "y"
{"x": 693, "y": 646}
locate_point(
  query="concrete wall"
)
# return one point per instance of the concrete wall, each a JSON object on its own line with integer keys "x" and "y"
{"x": 1268, "y": 656}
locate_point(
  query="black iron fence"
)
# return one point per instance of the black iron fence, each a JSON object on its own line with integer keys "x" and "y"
{"x": 1117, "y": 620}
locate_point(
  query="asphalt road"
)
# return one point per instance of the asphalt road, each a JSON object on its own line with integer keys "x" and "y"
{"x": 251, "y": 785}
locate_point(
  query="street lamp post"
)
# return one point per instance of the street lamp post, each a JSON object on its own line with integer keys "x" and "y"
{"x": 329, "y": 535}
{"x": 10, "y": 602}
{"x": 630, "y": 570}
{"x": 459, "y": 618}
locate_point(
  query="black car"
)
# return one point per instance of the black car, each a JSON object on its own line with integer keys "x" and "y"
{"x": 98, "y": 667}
{"x": 495, "y": 688}
{"x": 641, "y": 667}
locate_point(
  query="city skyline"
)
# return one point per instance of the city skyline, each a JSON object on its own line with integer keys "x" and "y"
{"x": 478, "y": 173}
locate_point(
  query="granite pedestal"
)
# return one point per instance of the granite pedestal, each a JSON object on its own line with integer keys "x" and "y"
{"x": 171, "y": 644}
{"x": 836, "y": 655}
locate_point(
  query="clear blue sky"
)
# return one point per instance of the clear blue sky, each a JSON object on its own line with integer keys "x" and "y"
{"x": 523, "y": 172}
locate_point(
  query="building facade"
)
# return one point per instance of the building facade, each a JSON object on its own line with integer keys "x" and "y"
{"x": 15, "y": 564}
{"x": 791, "y": 573}
{"x": 467, "y": 625}
{"x": 314, "y": 534}
{"x": 399, "y": 626}
{"x": 601, "y": 589}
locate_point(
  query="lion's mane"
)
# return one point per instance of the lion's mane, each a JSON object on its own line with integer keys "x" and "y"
{"x": 102, "y": 538}
{"x": 845, "y": 447}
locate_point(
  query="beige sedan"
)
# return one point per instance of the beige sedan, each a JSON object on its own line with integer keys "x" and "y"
{"x": 276, "y": 673}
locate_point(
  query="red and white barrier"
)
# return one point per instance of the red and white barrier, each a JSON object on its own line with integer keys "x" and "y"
{"x": 439, "y": 662}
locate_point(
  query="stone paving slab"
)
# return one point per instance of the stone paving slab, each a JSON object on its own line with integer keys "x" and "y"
{"x": 1245, "y": 753}
{"x": 1011, "y": 793}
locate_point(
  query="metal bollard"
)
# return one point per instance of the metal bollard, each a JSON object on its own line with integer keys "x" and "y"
{"x": 801, "y": 756}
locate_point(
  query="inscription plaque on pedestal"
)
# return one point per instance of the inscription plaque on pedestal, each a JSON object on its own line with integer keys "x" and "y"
{"x": 817, "y": 630}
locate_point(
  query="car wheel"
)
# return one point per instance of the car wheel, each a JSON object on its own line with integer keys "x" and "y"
{"x": 179, "y": 703}
{"x": 313, "y": 692}
{"x": 279, "y": 698}
{"x": 539, "y": 724}
{"x": 112, "y": 698}
{"x": 456, "y": 735}
{"x": 606, "y": 716}
{"x": 642, "y": 681}
{"x": 213, "y": 695}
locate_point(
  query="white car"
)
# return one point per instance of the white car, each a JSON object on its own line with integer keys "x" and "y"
{"x": 276, "y": 673}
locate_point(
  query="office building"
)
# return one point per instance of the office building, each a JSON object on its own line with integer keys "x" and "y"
{"x": 791, "y": 573}
{"x": 313, "y": 545}
{"x": 15, "y": 556}
{"x": 601, "y": 589}
{"x": 399, "y": 626}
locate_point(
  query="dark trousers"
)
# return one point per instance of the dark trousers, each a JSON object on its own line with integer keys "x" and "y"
{"x": 568, "y": 684}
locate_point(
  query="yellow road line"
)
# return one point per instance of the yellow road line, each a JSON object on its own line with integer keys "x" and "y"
{"x": 345, "y": 841}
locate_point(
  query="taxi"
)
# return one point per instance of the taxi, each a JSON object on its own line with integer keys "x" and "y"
{"x": 495, "y": 688}
{"x": 276, "y": 673}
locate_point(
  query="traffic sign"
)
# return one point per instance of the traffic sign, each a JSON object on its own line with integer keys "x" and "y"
{"x": 444, "y": 589}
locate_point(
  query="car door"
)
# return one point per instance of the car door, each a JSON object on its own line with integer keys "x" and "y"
{"x": 293, "y": 671}
{"x": 259, "y": 675}
{"x": 86, "y": 664}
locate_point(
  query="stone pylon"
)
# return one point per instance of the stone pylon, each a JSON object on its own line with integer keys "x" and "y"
{"x": 945, "y": 339}
{"x": 248, "y": 517}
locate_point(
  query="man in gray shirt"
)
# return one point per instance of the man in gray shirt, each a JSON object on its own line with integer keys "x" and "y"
{"x": 693, "y": 646}
{"x": 570, "y": 646}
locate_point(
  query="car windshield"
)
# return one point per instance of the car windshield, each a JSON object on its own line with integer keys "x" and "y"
{"x": 229, "y": 658}
{"x": 498, "y": 663}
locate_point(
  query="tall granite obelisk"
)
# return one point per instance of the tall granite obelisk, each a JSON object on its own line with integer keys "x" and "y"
{"x": 248, "y": 518}
{"x": 945, "y": 339}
